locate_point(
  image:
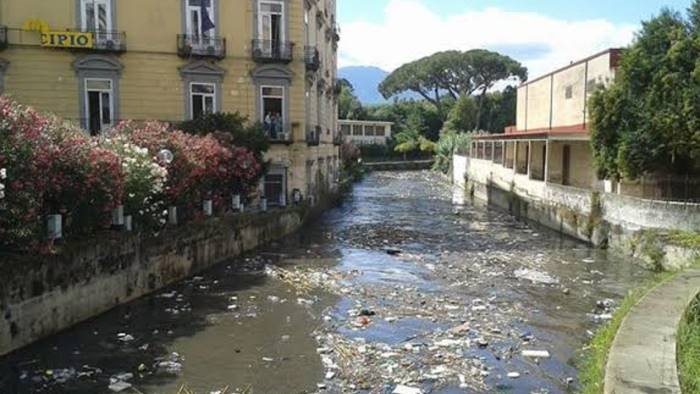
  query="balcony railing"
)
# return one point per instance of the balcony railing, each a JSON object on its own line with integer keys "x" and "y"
{"x": 3, "y": 37}
{"x": 108, "y": 41}
{"x": 199, "y": 46}
{"x": 313, "y": 136}
{"x": 312, "y": 58}
{"x": 270, "y": 51}
{"x": 278, "y": 133}
{"x": 338, "y": 139}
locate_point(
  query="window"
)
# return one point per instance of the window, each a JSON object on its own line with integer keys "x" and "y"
{"x": 202, "y": 99}
{"x": 99, "y": 104}
{"x": 200, "y": 16}
{"x": 271, "y": 27}
{"x": 369, "y": 131}
{"x": 569, "y": 93}
{"x": 357, "y": 130}
{"x": 96, "y": 15}
{"x": 379, "y": 131}
{"x": 275, "y": 187}
{"x": 344, "y": 129}
{"x": 272, "y": 105}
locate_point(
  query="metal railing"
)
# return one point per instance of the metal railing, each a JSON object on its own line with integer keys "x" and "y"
{"x": 278, "y": 133}
{"x": 312, "y": 58}
{"x": 313, "y": 136}
{"x": 663, "y": 188}
{"x": 272, "y": 51}
{"x": 108, "y": 41}
{"x": 194, "y": 45}
{"x": 3, "y": 37}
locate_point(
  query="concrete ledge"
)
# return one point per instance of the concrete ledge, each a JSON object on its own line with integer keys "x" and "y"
{"x": 409, "y": 165}
{"x": 643, "y": 356}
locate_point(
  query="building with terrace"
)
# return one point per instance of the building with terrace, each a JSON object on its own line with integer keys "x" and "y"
{"x": 99, "y": 61}
{"x": 550, "y": 142}
{"x": 365, "y": 132}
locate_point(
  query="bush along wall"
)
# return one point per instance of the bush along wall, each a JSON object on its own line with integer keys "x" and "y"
{"x": 57, "y": 181}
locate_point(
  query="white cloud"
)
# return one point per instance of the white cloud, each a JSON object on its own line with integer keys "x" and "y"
{"x": 410, "y": 30}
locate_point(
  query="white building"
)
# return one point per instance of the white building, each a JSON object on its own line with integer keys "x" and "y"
{"x": 365, "y": 132}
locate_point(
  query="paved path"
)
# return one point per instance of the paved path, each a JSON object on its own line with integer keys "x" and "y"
{"x": 643, "y": 355}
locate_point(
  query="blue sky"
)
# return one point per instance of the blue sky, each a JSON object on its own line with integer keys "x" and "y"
{"x": 542, "y": 34}
{"x": 616, "y": 11}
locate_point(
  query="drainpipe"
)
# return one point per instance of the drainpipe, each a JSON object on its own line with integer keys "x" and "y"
{"x": 551, "y": 101}
{"x": 546, "y": 161}
{"x": 585, "y": 96}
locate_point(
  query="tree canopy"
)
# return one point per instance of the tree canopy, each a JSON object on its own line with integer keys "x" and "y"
{"x": 453, "y": 74}
{"x": 648, "y": 120}
{"x": 349, "y": 106}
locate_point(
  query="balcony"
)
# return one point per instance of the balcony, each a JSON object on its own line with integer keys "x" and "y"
{"x": 3, "y": 37}
{"x": 312, "y": 58}
{"x": 279, "y": 133}
{"x": 108, "y": 41}
{"x": 198, "y": 46}
{"x": 338, "y": 139}
{"x": 313, "y": 136}
{"x": 267, "y": 51}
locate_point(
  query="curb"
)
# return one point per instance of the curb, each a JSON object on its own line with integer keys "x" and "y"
{"x": 643, "y": 355}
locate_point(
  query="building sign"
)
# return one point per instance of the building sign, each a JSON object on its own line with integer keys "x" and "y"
{"x": 67, "y": 39}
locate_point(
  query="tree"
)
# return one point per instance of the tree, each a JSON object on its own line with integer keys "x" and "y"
{"x": 412, "y": 139}
{"x": 648, "y": 120}
{"x": 230, "y": 128}
{"x": 453, "y": 74}
{"x": 462, "y": 117}
{"x": 349, "y": 106}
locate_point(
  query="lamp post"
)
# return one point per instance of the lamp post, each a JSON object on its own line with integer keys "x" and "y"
{"x": 167, "y": 157}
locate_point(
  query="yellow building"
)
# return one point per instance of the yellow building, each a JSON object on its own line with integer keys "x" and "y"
{"x": 99, "y": 61}
{"x": 550, "y": 142}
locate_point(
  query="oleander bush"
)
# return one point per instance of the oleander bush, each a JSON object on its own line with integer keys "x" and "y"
{"x": 53, "y": 167}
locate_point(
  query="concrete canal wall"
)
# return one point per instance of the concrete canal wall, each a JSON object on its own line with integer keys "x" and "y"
{"x": 41, "y": 295}
{"x": 409, "y": 165}
{"x": 602, "y": 219}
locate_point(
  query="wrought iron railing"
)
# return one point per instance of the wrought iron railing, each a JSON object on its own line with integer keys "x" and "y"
{"x": 108, "y": 41}
{"x": 313, "y": 136}
{"x": 278, "y": 132}
{"x": 272, "y": 51}
{"x": 3, "y": 37}
{"x": 200, "y": 46}
{"x": 312, "y": 58}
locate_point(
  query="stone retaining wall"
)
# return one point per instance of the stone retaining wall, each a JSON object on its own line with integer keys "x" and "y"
{"x": 41, "y": 295}
{"x": 602, "y": 219}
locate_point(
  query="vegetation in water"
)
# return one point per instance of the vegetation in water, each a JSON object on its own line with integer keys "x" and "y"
{"x": 592, "y": 362}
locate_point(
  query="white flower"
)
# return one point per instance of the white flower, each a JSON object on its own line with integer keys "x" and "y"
{"x": 3, "y": 173}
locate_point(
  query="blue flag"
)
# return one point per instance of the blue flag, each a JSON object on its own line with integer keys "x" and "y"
{"x": 207, "y": 23}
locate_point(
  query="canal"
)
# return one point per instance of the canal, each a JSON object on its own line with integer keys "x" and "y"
{"x": 398, "y": 286}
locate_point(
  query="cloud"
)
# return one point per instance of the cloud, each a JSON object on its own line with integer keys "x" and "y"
{"x": 410, "y": 30}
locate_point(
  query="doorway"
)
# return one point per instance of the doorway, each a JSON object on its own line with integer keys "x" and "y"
{"x": 566, "y": 166}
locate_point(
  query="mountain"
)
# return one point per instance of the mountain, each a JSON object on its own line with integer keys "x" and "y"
{"x": 366, "y": 80}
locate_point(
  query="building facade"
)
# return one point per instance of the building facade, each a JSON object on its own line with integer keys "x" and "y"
{"x": 550, "y": 142}
{"x": 365, "y": 132}
{"x": 99, "y": 61}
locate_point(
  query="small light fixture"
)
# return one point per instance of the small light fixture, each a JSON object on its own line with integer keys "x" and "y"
{"x": 166, "y": 156}
{"x": 296, "y": 196}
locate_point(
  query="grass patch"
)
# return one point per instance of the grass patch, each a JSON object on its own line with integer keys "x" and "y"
{"x": 684, "y": 239}
{"x": 592, "y": 363}
{"x": 689, "y": 349}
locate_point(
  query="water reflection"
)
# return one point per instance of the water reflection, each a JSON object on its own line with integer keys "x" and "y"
{"x": 432, "y": 273}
